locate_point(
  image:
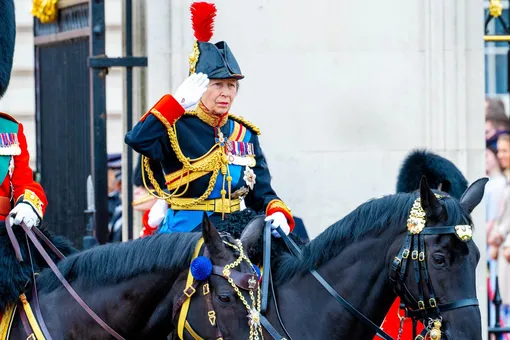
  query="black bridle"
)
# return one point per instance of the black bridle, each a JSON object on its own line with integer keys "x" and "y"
{"x": 423, "y": 309}
{"x": 414, "y": 248}
{"x": 240, "y": 281}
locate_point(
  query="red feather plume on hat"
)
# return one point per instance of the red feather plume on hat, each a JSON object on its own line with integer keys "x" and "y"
{"x": 202, "y": 18}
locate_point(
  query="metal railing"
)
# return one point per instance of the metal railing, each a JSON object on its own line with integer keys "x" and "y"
{"x": 496, "y": 329}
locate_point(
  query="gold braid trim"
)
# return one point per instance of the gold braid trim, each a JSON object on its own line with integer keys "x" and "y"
{"x": 147, "y": 168}
{"x": 215, "y": 160}
{"x": 193, "y": 58}
{"x": 278, "y": 204}
{"x": 246, "y": 123}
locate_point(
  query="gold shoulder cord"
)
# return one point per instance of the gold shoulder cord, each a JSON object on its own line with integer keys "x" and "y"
{"x": 215, "y": 164}
{"x": 246, "y": 123}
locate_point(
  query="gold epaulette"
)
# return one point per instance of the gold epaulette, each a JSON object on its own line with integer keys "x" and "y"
{"x": 190, "y": 112}
{"x": 246, "y": 123}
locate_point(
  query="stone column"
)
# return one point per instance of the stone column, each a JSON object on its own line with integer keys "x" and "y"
{"x": 139, "y": 107}
{"x": 454, "y": 101}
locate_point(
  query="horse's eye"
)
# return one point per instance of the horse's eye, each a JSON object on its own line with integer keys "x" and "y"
{"x": 438, "y": 259}
{"x": 225, "y": 298}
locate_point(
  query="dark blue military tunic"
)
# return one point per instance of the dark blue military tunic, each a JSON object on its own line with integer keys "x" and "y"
{"x": 196, "y": 137}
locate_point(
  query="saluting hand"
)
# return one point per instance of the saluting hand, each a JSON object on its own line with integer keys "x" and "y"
{"x": 191, "y": 90}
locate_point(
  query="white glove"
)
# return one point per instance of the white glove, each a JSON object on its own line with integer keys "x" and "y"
{"x": 278, "y": 219}
{"x": 157, "y": 213}
{"x": 23, "y": 212}
{"x": 191, "y": 90}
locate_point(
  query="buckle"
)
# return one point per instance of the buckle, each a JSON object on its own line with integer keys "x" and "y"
{"x": 432, "y": 303}
{"x": 189, "y": 291}
{"x": 422, "y": 257}
{"x": 205, "y": 289}
{"x": 212, "y": 317}
{"x": 414, "y": 255}
{"x": 31, "y": 337}
{"x": 252, "y": 283}
{"x": 421, "y": 305}
{"x": 405, "y": 253}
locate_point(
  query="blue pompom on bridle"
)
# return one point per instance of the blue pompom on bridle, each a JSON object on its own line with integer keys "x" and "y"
{"x": 201, "y": 268}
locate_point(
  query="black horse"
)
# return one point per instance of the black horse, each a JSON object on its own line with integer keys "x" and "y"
{"x": 355, "y": 255}
{"x": 136, "y": 287}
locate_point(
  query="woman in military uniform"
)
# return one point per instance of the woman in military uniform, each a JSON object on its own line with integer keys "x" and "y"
{"x": 212, "y": 160}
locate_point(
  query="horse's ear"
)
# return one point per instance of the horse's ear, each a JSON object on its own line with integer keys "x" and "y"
{"x": 474, "y": 194}
{"x": 429, "y": 202}
{"x": 212, "y": 238}
{"x": 252, "y": 232}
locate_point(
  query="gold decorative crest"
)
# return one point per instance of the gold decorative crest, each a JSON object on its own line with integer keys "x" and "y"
{"x": 45, "y": 10}
{"x": 495, "y": 8}
{"x": 417, "y": 218}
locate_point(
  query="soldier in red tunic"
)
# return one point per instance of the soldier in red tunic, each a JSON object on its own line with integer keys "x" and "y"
{"x": 21, "y": 198}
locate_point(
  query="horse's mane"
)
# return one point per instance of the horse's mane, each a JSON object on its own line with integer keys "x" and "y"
{"x": 15, "y": 275}
{"x": 372, "y": 217}
{"x": 112, "y": 263}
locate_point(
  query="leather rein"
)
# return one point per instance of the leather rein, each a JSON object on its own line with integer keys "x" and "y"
{"x": 33, "y": 234}
{"x": 245, "y": 281}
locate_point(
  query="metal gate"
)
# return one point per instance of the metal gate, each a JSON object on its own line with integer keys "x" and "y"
{"x": 62, "y": 117}
{"x": 70, "y": 73}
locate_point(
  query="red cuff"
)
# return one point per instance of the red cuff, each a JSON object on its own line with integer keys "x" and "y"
{"x": 279, "y": 206}
{"x": 167, "y": 110}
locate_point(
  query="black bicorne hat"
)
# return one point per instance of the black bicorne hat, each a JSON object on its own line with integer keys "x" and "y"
{"x": 215, "y": 60}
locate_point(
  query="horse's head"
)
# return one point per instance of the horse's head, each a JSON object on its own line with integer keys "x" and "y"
{"x": 435, "y": 269}
{"x": 225, "y": 291}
